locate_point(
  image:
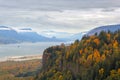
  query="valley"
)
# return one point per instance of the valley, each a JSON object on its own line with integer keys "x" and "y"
{"x": 96, "y": 53}
{"x": 19, "y": 70}
{"x": 59, "y": 39}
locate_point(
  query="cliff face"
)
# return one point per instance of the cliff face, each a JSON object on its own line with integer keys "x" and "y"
{"x": 50, "y": 56}
{"x": 45, "y": 60}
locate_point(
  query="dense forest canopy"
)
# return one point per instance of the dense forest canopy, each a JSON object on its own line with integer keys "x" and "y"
{"x": 95, "y": 57}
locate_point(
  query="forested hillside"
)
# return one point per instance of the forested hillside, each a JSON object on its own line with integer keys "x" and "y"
{"x": 95, "y": 57}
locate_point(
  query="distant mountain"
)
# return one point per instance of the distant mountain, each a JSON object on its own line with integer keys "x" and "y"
{"x": 30, "y": 36}
{"x": 111, "y": 28}
{"x": 9, "y": 35}
{"x": 56, "y": 34}
{"x": 63, "y": 35}
{"x": 76, "y": 36}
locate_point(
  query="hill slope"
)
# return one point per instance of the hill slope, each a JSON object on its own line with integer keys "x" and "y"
{"x": 95, "y": 57}
{"x": 111, "y": 28}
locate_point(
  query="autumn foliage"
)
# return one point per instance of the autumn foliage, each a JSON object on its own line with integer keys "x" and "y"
{"x": 95, "y": 57}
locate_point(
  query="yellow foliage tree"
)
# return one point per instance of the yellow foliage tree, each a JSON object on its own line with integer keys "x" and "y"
{"x": 103, "y": 57}
{"x": 119, "y": 71}
{"x": 96, "y": 55}
{"x": 97, "y": 41}
{"x": 115, "y": 44}
{"x": 101, "y": 72}
{"x": 60, "y": 77}
{"x": 113, "y": 73}
{"x": 90, "y": 57}
{"x": 108, "y": 36}
{"x": 81, "y": 51}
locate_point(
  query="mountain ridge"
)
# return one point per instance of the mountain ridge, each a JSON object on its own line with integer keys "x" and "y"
{"x": 9, "y": 35}
{"x": 106, "y": 28}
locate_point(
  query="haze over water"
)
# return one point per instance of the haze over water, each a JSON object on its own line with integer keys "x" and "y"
{"x": 25, "y": 49}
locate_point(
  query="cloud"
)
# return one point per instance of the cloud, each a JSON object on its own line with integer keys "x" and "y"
{"x": 68, "y": 20}
{"x": 59, "y": 15}
{"x": 57, "y": 4}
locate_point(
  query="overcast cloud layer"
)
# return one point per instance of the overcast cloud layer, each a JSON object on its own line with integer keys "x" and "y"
{"x": 59, "y": 15}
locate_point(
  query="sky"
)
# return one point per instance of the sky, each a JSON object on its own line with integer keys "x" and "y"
{"x": 71, "y": 16}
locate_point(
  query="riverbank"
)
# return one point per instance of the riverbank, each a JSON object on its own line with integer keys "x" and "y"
{"x": 21, "y": 58}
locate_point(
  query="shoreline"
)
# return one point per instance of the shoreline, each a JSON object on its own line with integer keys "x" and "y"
{"x": 21, "y": 58}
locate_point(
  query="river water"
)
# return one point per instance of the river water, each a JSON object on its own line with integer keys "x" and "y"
{"x": 25, "y": 49}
